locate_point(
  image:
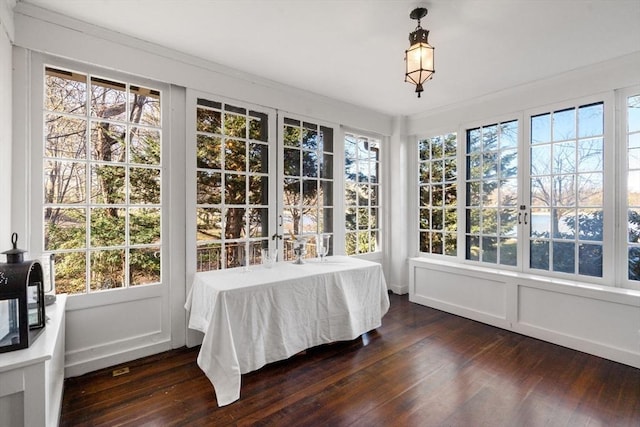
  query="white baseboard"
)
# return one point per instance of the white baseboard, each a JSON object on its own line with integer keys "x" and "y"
{"x": 83, "y": 365}
{"x": 399, "y": 289}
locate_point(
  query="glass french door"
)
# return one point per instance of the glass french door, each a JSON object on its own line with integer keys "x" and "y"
{"x": 306, "y": 185}
{"x": 234, "y": 164}
{"x": 249, "y": 190}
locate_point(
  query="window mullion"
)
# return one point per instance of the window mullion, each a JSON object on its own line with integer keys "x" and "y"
{"x": 524, "y": 195}
{"x": 611, "y": 200}
{"x": 627, "y": 199}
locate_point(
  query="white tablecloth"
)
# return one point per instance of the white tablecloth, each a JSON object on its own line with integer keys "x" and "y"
{"x": 251, "y": 318}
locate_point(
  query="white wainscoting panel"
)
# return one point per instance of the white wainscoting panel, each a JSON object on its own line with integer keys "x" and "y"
{"x": 461, "y": 294}
{"x": 581, "y": 322}
{"x": 599, "y": 320}
{"x": 102, "y": 336}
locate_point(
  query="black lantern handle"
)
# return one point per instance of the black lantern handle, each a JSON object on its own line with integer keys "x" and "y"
{"x": 15, "y": 255}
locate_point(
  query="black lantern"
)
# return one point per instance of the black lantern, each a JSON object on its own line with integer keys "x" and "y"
{"x": 22, "y": 316}
{"x": 419, "y": 56}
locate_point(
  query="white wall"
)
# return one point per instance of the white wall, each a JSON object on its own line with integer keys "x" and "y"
{"x": 44, "y": 31}
{"x": 399, "y": 157}
{"x": 603, "y": 77}
{"x": 6, "y": 36}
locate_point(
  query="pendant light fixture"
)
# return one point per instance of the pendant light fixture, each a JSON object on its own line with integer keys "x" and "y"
{"x": 419, "y": 56}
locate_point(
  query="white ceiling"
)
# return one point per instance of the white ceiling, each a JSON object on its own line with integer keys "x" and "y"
{"x": 353, "y": 50}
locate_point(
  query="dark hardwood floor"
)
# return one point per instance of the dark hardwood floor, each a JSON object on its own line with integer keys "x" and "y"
{"x": 423, "y": 367}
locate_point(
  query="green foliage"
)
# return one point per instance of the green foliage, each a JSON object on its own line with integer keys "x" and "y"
{"x": 66, "y": 229}
{"x": 361, "y": 203}
{"x": 112, "y": 139}
{"x": 107, "y": 269}
{"x": 589, "y": 227}
{"x": 144, "y": 226}
{"x": 361, "y": 242}
{"x": 634, "y": 263}
{"x": 70, "y": 272}
{"x": 144, "y": 266}
{"x": 144, "y": 186}
{"x": 491, "y": 165}
{"x": 438, "y": 194}
{"x": 233, "y": 182}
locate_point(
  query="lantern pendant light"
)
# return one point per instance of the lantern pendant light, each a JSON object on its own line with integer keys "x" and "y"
{"x": 419, "y": 56}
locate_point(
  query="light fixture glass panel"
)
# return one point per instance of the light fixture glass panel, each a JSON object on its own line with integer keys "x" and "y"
{"x": 419, "y": 62}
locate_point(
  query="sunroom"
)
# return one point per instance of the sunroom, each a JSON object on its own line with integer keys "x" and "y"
{"x": 142, "y": 150}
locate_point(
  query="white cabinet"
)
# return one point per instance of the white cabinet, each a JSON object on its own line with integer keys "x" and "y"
{"x": 31, "y": 380}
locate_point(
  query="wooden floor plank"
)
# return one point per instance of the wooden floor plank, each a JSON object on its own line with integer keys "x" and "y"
{"x": 423, "y": 367}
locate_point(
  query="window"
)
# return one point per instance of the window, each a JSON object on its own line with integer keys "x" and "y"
{"x": 492, "y": 194}
{"x": 362, "y": 194}
{"x": 633, "y": 186}
{"x": 232, "y": 185}
{"x": 102, "y": 181}
{"x": 543, "y": 202}
{"x": 307, "y": 193}
{"x": 566, "y": 182}
{"x": 438, "y": 195}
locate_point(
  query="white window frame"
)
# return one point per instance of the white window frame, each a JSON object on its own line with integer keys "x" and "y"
{"x": 417, "y": 195}
{"x": 380, "y": 179}
{"x": 614, "y": 260}
{"x": 462, "y": 182}
{"x": 33, "y": 153}
{"x": 462, "y": 187}
{"x": 191, "y": 171}
{"x": 608, "y": 187}
{"x": 621, "y": 249}
{"x": 337, "y": 222}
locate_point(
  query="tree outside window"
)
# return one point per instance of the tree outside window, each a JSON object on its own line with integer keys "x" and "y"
{"x": 492, "y": 194}
{"x": 566, "y": 179}
{"x": 307, "y": 196}
{"x": 362, "y": 194}
{"x": 232, "y": 185}
{"x": 438, "y": 194}
{"x": 102, "y": 182}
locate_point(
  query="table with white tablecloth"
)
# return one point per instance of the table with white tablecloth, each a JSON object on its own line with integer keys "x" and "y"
{"x": 251, "y": 317}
